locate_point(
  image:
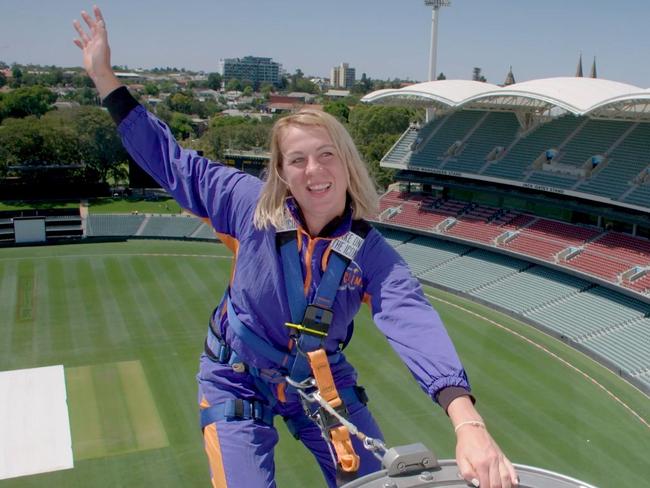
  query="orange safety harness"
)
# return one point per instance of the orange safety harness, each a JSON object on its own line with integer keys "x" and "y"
{"x": 339, "y": 435}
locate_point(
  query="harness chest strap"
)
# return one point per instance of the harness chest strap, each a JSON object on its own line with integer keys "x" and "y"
{"x": 312, "y": 321}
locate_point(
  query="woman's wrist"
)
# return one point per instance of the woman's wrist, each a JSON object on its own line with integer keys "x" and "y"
{"x": 475, "y": 423}
{"x": 105, "y": 82}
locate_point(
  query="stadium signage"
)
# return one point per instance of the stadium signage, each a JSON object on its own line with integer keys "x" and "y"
{"x": 549, "y": 189}
{"x": 441, "y": 171}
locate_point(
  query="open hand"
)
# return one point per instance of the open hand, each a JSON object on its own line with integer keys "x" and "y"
{"x": 96, "y": 51}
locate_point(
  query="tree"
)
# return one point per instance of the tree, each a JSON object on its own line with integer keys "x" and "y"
{"x": 477, "y": 76}
{"x": 266, "y": 89}
{"x": 338, "y": 109}
{"x": 375, "y": 128}
{"x": 82, "y": 80}
{"x": 181, "y": 102}
{"x": 25, "y": 101}
{"x": 214, "y": 81}
{"x": 441, "y": 76}
{"x": 248, "y": 91}
{"x": 181, "y": 125}
{"x": 98, "y": 145}
{"x": 21, "y": 140}
{"x": 16, "y": 76}
{"x": 151, "y": 89}
{"x": 234, "y": 133}
{"x": 86, "y": 96}
{"x": 54, "y": 77}
{"x": 233, "y": 85}
{"x": 3, "y": 80}
{"x": 299, "y": 83}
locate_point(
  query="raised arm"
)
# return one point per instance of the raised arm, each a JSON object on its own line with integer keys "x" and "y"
{"x": 96, "y": 52}
{"x": 207, "y": 190}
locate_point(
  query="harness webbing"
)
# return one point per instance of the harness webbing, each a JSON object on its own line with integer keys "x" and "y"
{"x": 254, "y": 341}
{"x": 310, "y": 324}
{"x": 312, "y": 321}
{"x": 292, "y": 274}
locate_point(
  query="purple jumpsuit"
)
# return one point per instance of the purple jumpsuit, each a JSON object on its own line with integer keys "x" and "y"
{"x": 241, "y": 451}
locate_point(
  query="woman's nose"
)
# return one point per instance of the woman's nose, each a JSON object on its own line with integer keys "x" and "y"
{"x": 312, "y": 164}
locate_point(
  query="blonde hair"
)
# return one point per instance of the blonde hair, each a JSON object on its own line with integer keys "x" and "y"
{"x": 360, "y": 186}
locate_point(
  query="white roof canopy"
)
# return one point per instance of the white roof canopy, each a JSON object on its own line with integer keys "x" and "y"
{"x": 579, "y": 96}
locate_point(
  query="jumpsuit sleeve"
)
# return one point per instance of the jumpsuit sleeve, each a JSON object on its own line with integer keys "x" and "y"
{"x": 207, "y": 189}
{"x": 412, "y": 327}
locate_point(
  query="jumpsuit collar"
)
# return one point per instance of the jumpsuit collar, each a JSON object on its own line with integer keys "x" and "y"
{"x": 336, "y": 227}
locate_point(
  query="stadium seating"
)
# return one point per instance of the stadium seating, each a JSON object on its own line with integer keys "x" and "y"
{"x": 595, "y": 137}
{"x": 529, "y": 147}
{"x": 498, "y": 129}
{"x": 473, "y": 270}
{"x": 588, "y": 312}
{"x": 169, "y": 226}
{"x": 628, "y": 345}
{"x": 602, "y": 255}
{"x": 626, "y": 161}
{"x": 113, "y": 225}
{"x": 571, "y": 307}
{"x": 534, "y": 287}
{"x": 402, "y": 147}
{"x": 204, "y": 231}
{"x": 641, "y": 285}
{"x": 612, "y": 254}
{"x": 545, "y": 238}
{"x": 639, "y": 196}
{"x": 423, "y": 253}
{"x": 395, "y": 237}
{"x": 453, "y": 128}
{"x": 601, "y": 265}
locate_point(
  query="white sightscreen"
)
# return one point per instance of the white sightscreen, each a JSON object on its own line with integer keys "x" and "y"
{"x": 34, "y": 424}
{"x": 29, "y": 230}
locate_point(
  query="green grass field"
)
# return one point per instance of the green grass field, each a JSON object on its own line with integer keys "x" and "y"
{"x": 132, "y": 204}
{"x": 104, "y": 205}
{"x": 127, "y": 320}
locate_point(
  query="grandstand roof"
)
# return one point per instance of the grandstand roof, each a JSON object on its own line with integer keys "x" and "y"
{"x": 580, "y": 96}
{"x": 444, "y": 93}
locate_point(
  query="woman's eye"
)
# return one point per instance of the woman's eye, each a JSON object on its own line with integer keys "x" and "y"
{"x": 298, "y": 161}
{"x": 327, "y": 155}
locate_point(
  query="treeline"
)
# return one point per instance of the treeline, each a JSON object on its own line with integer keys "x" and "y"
{"x": 34, "y": 133}
{"x": 34, "y": 136}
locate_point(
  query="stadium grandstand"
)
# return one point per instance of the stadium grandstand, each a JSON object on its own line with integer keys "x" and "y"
{"x": 535, "y": 199}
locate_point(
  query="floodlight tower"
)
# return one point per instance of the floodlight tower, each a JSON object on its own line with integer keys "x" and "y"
{"x": 435, "y": 6}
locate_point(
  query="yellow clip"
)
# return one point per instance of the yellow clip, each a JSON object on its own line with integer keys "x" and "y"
{"x": 302, "y": 328}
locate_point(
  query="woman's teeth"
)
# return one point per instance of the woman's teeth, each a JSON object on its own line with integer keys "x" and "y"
{"x": 323, "y": 187}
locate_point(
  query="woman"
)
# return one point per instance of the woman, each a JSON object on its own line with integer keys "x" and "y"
{"x": 285, "y": 234}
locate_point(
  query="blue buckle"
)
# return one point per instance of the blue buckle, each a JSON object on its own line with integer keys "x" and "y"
{"x": 224, "y": 352}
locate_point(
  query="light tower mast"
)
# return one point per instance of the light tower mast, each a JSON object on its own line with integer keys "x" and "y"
{"x": 435, "y": 6}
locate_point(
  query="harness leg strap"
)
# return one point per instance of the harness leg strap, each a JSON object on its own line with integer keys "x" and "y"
{"x": 237, "y": 409}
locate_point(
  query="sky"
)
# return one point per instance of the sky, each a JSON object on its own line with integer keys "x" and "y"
{"x": 382, "y": 38}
